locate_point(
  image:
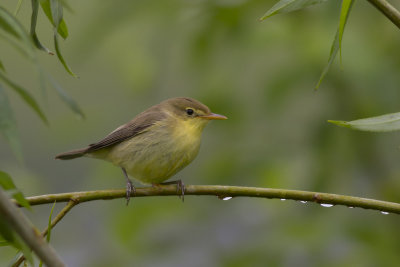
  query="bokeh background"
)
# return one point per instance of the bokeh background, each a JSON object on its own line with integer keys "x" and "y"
{"x": 130, "y": 55}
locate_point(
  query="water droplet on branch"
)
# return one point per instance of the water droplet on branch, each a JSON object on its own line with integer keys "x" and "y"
{"x": 326, "y": 205}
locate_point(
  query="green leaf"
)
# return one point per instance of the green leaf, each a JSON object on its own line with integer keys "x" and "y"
{"x": 71, "y": 103}
{"x": 18, "y": 7}
{"x": 49, "y": 224}
{"x": 56, "y": 12}
{"x": 285, "y": 6}
{"x": 26, "y": 96}
{"x": 57, "y": 15}
{"x": 4, "y": 244}
{"x": 2, "y": 66}
{"x": 5, "y": 231}
{"x": 344, "y": 14}
{"x": 7, "y": 184}
{"x": 62, "y": 27}
{"x": 61, "y": 58}
{"x": 337, "y": 41}
{"x": 38, "y": 44}
{"x": 332, "y": 55}
{"x": 7, "y": 23}
{"x": 383, "y": 123}
{"x": 8, "y": 124}
{"x": 18, "y": 46}
{"x": 10, "y": 25}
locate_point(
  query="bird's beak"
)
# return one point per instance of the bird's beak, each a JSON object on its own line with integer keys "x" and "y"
{"x": 213, "y": 116}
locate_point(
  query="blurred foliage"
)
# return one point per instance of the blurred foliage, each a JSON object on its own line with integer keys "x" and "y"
{"x": 133, "y": 54}
{"x": 7, "y": 184}
{"x": 13, "y": 33}
{"x": 8, "y": 235}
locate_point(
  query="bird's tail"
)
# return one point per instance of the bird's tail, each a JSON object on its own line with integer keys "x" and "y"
{"x": 72, "y": 154}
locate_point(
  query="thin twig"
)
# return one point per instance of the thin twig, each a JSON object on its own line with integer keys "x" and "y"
{"x": 222, "y": 192}
{"x": 58, "y": 218}
{"x": 388, "y": 10}
{"x": 31, "y": 236}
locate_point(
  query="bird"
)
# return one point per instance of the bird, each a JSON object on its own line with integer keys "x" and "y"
{"x": 154, "y": 145}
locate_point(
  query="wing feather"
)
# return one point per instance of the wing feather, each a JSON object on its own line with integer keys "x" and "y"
{"x": 129, "y": 130}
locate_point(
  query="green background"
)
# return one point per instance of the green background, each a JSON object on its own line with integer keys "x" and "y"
{"x": 130, "y": 55}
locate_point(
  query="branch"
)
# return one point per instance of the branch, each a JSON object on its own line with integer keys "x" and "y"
{"x": 223, "y": 192}
{"x": 388, "y": 10}
{"x": 20, "y": 223}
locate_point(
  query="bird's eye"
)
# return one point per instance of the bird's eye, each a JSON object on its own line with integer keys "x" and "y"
{"x": 189, "y": 111}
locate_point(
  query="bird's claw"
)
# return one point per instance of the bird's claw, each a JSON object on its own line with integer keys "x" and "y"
{"x": 180, "y": 188}
{"x": 129, "y": 189}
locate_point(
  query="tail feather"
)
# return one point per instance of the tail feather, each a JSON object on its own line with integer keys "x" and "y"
{"x": 72, "y": 154}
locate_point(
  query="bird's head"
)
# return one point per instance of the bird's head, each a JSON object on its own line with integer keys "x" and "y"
{"x": 190, "y": 113}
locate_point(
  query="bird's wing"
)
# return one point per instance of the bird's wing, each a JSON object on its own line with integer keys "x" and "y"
{"x": 129, "y": 130}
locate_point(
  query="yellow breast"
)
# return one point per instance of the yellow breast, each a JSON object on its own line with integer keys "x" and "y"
{"x": 160, "y": 152}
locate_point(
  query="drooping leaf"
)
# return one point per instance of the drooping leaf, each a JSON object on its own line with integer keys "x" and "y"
{"x": 344, "y": 14}
{"x": 7, "y": 24}
{"x": 26, "y": 96}
{"x": 61, "y": 58}
{"x": 383, "y": 123}
{"x": 335, "y": 44}
{"x": 10, "y": 25}
{"x": 38, "y": 44}
{"x": 7, "y": 183}
{"x": 332, "y": 55}
{"x": 62, "y": 27}
{"x": 18, "y": 7}
{"x": 71, "y": 103}
{"x": 56, "y": 12}
{"x": 8, "y": 124}
{"x": 57, "y": 16}
{"x": 285, "y": 6}
{"x": 18, "y": 46}
{"x": 2, "y": 66}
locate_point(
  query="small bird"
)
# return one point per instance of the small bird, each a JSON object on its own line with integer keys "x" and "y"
{"x": 156, "y": 144}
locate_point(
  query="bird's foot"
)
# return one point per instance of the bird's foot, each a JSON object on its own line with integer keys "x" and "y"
{"x": 129, "y": 187}
{"x": 180, "y": 188}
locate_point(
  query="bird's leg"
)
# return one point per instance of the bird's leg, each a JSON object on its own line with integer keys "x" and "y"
{"x": 180, "y": 188}
{"x": 129, "y": 187}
